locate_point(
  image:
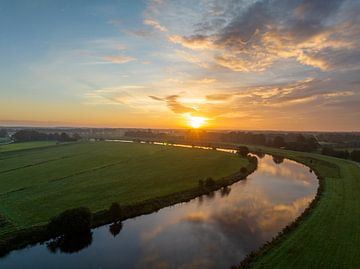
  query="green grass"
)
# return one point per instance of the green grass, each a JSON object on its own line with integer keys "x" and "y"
{"x": 329, "y": 236}
{"x": 25, "y": 145}
{"x": 40, "y": 183}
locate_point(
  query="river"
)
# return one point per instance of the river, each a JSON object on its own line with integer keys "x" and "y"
{"x": 212, "y": 231}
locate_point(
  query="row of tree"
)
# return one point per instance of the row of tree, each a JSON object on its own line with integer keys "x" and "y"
{"x": 302, "y": 143}
{"x": 343, "y": 154}
{"x": 32, "y": 135}
{"x": 297, "y": 142}
{"x": 3, "y": 133}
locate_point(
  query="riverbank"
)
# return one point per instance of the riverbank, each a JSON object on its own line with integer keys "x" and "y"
{"x": 326, "y": 235}
{"x": 19, "y": 238}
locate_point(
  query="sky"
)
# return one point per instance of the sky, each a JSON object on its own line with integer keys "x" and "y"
{"x": 228, "y": 64}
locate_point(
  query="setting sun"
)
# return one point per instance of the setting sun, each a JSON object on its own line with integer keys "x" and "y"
{"x": 197, "y": 122}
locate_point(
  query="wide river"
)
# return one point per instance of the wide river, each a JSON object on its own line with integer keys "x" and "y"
{"x": 213, "y": 231}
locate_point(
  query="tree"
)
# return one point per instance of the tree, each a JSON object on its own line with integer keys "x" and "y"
{"x": 76, "y": 137}
{"x": 64, "y": 137}
{"x": 71, "y": 222}
{"x": 115, "y": 211}
{"x": 242, "y": 151}
{"x": 209, "y": 182}
{"x": 279, "y": 142}
{"x": 344, "y": 154}
{"x": 355, "y": 155}
{"x": 3, "y": 133}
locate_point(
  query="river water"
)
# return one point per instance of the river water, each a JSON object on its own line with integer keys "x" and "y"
{"x": 212, "y": 231}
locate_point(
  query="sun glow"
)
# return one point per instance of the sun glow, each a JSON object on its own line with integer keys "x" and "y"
{"x": 197, "y": 122}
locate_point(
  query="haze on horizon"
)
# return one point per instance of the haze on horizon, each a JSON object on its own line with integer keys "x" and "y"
{"x": 251, "y": 64}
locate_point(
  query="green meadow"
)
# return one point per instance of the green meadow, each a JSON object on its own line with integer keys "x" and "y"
{"x": 39, "y": 180}
{"x": 27, "y": 145}
{"x": 329, "y": 236}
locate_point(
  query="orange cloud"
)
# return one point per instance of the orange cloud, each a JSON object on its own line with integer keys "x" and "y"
{"x": 118, "y": 59}
{"x": 155, "y": 24}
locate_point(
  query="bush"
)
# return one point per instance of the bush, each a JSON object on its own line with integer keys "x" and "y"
{"x": 252, "y": 159}
{"x": 344, "y": 154}
{"x": 201, "y": 183}
{"x": 209, "y": 182}
{"x": 243, "y": 151}
{"x": 71, "y": 222}
{"x": 355, "y": 155}
{"x": 243, "y": 170}
{"x": 115, "y": 211}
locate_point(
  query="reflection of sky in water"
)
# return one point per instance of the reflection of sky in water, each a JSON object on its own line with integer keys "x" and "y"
{"x": 209, "y": 232}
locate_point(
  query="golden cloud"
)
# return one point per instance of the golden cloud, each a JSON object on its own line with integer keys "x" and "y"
{"x": 118, "y": 59}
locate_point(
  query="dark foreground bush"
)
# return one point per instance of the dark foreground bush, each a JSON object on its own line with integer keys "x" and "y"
{"x": 209, "y": 182}
{"x": 71, "y": 222}
{"x": 252, "y": 159}
{"x": 243, "y": 170}
{"x": 115, "y": 211}
{"x": 243, "y": 151}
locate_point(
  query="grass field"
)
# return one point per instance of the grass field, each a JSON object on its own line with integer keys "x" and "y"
{"x": 329, "y": 237}
{"x": 27, "y": 145}
{"x": 39, "y": 183}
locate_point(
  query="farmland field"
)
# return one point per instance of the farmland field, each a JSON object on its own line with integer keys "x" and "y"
{"x": 39, "y": 183}
{"x": 27, "y": 145}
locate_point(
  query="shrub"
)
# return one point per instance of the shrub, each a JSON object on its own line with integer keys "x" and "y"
{"x": 355, "y": 155}
{"x": 115, "y": 211}
{"x": 71, "y": 222}
{"x": 243, "y": 151}
{"x": 209, "y": 182}
{"x": 201, "y": 183}
{"x": 252, "y": 159}
{"x": 243, "y": 170}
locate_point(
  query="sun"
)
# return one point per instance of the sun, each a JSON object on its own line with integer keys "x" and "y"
{"x": 197, "y": 122}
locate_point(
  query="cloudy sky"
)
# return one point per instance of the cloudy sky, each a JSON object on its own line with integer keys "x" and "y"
{"x": 251, "y": 64}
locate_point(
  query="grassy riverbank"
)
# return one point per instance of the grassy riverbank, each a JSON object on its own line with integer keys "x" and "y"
{"x": 328, "y": 235}
{"x": 39, "y": 183}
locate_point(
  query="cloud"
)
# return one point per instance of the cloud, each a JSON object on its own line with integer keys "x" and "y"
{"x": 118, "y": 59}
{"x": 193, "y": 42}
{"x": 219, "y": 97}
{"x": 252, "y": 37}
{"x": 155, "y": 24}
{"x": 174, "y": 105}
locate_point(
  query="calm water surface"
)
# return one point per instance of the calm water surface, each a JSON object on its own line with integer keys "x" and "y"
{"x": 213, "y": 231}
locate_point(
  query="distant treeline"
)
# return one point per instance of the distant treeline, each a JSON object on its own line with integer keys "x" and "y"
{"x": 297, "y": 142}
{"x": 349, "y": 140}
{"x": 32, "y": 135}
{"x": 147, "y": 135}
{"x": 290, "y": 141}
{"x": 343, "y": 154}
{"x": 3, "y": 133}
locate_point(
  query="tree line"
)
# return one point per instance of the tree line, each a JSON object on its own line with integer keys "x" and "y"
{"x": 32, "y": 135}
{"x": 343, "y": 154}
